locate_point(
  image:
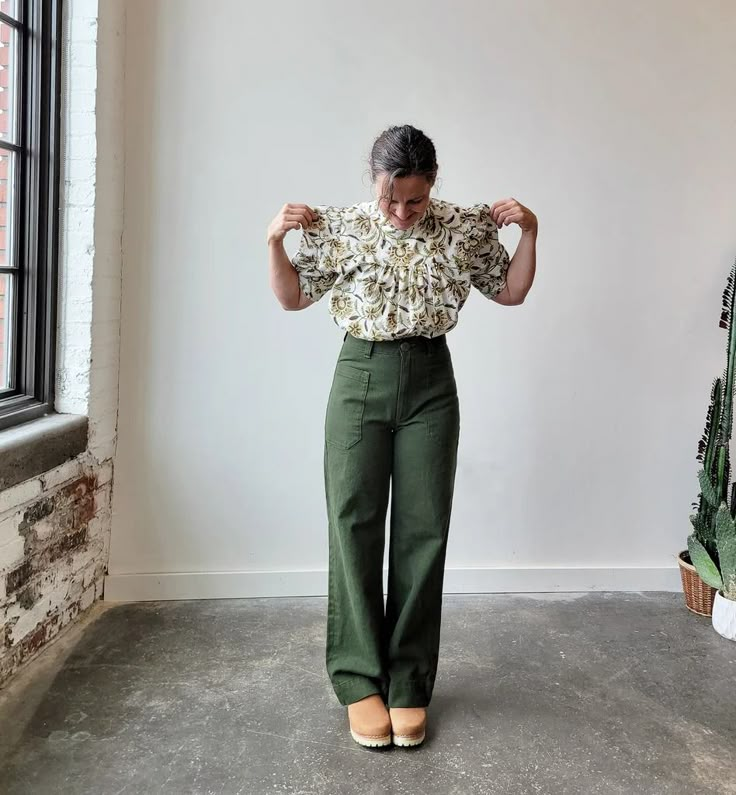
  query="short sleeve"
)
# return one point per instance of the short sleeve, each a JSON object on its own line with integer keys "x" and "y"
{"x": 315, "y": 261}
{"x": 489, "y": 262}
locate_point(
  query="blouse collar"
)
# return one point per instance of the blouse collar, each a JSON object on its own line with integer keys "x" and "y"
{"x": 417, "y": 228}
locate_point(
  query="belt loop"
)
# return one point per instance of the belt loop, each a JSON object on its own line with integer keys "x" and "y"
{"x": 368, "y": 349}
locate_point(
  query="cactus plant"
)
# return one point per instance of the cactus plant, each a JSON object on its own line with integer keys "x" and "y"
{"x": 716, "y": 490}
{"x": 721, "y": 576}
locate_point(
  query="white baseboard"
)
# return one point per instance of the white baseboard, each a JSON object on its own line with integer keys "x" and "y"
{"x": 248, "y": 584}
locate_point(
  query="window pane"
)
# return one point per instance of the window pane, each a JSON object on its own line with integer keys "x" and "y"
{"x": 7, "y": 212}
{"x": 8, "y": 82}
{"x": 6, "y": 304}
{"x": 9, "y": 7}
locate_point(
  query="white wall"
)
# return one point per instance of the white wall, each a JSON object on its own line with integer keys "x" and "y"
{"x": 581, "y": 409}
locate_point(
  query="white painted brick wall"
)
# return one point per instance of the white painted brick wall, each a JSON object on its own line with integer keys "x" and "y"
{"x": 77, "y": 196}
{"x": 110, "y": 112}
{"x": 11, "y": 553}
{"x": 17, "y": 495}
{"x": 91, "y": 219}
{"x": 88, "y": 335}
{"x": 8, "y": 535}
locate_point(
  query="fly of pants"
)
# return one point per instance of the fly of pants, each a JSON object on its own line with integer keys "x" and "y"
{"x": 391, "y": 426}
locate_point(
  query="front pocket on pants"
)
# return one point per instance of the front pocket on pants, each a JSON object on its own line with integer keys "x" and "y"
{"x": 345, "y": 406}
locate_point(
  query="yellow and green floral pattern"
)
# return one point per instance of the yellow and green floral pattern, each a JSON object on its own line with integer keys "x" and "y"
{"x": 389, "y": 283}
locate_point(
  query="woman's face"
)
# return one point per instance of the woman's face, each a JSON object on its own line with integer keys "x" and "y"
{"x": 409, "y": 201}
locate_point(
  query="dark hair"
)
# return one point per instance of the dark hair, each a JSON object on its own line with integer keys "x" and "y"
{"x": 403, "y": 151}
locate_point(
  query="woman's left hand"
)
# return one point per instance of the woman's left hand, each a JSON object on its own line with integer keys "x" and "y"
{"x": 509, "y": 211}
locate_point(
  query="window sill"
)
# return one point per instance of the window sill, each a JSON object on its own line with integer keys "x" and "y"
{"x": 39, "y": 445}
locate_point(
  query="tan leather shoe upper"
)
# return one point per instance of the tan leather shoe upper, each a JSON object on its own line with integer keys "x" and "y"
{"x": 408, "y": 721}
{"x": 369, "y": 717}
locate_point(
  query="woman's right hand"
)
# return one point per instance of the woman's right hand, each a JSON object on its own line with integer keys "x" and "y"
{"x": 290, "y": 216}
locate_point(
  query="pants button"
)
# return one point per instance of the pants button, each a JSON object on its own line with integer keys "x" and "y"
{"x": 405, "y": 346}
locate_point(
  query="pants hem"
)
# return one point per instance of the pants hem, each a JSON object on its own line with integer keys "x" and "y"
{"x": 354, "y": 689}
{"x": 410, "y": 692}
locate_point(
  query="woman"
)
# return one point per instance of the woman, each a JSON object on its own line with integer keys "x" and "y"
{"x": 400, "y": 269}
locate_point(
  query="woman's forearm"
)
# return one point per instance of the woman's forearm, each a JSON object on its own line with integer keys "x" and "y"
{"x": 523, "y": 266}
{"x": 283, "y": 277}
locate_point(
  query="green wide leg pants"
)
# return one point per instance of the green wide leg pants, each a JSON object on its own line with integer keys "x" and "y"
{"x": 393, "y": 418}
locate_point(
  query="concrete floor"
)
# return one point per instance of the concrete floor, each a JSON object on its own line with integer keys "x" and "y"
{"x": 564, "y": 693}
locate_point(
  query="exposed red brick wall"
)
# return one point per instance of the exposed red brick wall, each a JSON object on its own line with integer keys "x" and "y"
{"x": 65, "y": 536}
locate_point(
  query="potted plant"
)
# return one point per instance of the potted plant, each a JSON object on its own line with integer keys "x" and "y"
{"x": 715, "y": 476}
{"x": 721, "y": 576}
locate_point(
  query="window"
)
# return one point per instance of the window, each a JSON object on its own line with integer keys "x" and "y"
{"x": 30, "y": 64}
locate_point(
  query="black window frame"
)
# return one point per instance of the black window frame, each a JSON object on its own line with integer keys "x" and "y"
{"x": 36, "y": 212}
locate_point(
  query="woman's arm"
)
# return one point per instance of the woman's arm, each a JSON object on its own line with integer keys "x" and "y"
{"x": 523, "y": 265}
{"x": 283, "y": 277}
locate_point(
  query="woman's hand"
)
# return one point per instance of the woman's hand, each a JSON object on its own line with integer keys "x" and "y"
{"x": 509, "y": 211}
{"x": 290, "y": 216}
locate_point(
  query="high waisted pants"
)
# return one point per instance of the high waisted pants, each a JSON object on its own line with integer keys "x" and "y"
{"x": 393, "y": 418}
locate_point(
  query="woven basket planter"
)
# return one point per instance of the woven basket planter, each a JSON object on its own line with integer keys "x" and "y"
{"x": 699, "y": 596}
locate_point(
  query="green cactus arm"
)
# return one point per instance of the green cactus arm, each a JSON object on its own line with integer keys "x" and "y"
{"x": 726, "y": 544}
{"x": 703, "y": 563}
{"x": 697, "y": 520}
{"x": 727, "y": 322}
{"x": 707, "y": 446}
{"x": 722, "y": 474}
{"x": 709, "y": 492}
{"x": 726, "y": 415}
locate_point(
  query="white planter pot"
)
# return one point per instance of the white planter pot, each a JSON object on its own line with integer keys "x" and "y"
{"x": 724, "y": 616}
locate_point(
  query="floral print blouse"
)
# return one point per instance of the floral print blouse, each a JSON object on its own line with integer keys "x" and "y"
{"x": 387, "y": 283}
